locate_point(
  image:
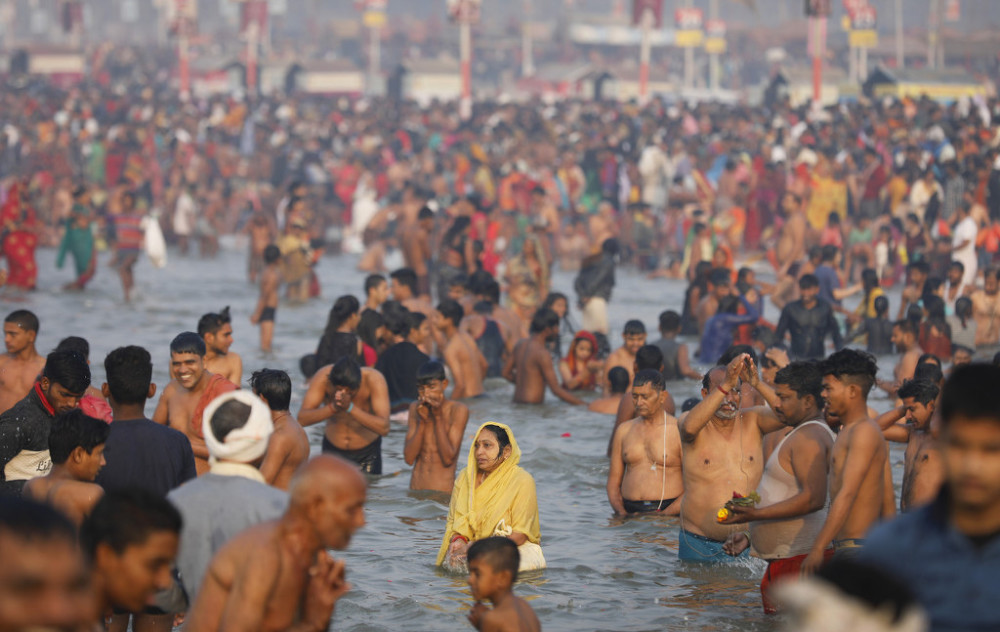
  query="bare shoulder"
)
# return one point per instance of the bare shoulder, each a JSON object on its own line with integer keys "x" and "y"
{"x": 369, "y": 376}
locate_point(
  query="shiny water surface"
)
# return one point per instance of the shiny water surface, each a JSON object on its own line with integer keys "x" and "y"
{"x": 603, "y": 573}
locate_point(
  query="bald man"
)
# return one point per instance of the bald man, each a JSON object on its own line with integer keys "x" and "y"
{"x": 278, "y": 575}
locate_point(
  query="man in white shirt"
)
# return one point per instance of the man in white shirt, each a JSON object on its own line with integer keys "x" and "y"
{"x": 963, "y": 244}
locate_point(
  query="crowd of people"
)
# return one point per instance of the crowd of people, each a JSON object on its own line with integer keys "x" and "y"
{"x": 213, "y": 507}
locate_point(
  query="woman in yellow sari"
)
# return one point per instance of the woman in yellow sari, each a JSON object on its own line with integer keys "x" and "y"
{"x": 493, "y": 496}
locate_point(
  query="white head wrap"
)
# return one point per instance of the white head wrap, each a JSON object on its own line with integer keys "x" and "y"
{"x": 243, "y": 445}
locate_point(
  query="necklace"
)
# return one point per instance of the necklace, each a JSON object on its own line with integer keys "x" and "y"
{"x": 663, "y": 479}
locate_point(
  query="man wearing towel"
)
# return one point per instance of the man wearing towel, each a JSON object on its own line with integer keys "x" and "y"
{"x": 232, "y": 496}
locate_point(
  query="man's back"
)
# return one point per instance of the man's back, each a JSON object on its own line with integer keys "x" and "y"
{"x": 143, "y": 453}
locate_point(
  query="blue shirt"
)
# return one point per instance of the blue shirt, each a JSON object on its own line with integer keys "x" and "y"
{"x": 956, "y": 581}
{"x": 828, "y": 282}
{"x": 718, "y": 335}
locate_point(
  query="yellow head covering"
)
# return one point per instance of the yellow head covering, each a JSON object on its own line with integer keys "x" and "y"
{"x": 507, "y": 495}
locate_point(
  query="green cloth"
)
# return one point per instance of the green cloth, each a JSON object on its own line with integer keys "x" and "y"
{"x": 78, "y": 241}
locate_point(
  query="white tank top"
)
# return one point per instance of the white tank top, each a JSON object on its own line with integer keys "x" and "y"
{"x": 779, "y": 539}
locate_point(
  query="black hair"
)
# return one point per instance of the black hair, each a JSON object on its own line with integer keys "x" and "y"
{"x": 651, "y": 377}
{"x": 129, "y": 371}
{"x": 649, "y": 357}
{"x": 706, "y": 380}
{"x": 807, "y": 281}
{"x": 689, "y": 403}
{"x": 273, "y": 386}
{"x": 719, "y": 277}
{"x": 76, "y": 344}
{"x": 345, "y": 372}
{"x": 24, "y": 319}
{"x": 914, "y": 313}
{"x": 368, "y": 324}
{"x": 851, "y": 365}
{"x": 869, "y": 584}
{"x": 634, "y": 328}
{"x": 499, "y": 552}
{"x": 430, "y": 371}
{"x": 803, "y": 378}
{"x": 372, "y": 281}
{"x": 618, "y": 380}
{"x": 415, "y": 319}
{"x": 969, "y": 393}
{"x": 923, "y": 391}
{"x": 907, "y": 326}
{"x": 395, "y": 316}
{"x": 955, "y": 348}
{"x": 407, "y": 277}
{"x": 211, "y": 323}
{"x": 935, "y": 307}
{"x": 610, "y": 247}
{"x": 229, "y": 416}
{"x": 957, "y": 264}
{"x": 271, "y": 253}
{"x": 869, "y": 279}
{"x": 503, "y": 440}
{"x": 491, "y": 291}
{"x": 343, "y": 308}
{"x": 735, "y": 350}
{"x": 670, "y": 321}
{"x": 544, "y": 319}
{"x": 127, "y": 517}
{"x": 425, "y": 213}
{"x": 31, "y": 521}
{"x": 920, "y": 266}
{"x": 74, "y": 429}
{"x": 829, "y": 253}
{"x": 483, "y": 308}
{"x": 881, "y": 306}
{"x": 928, "y": 371}
{"x": 68, "y": 369}
{"x": 963, "y": 309}
{"x": 188, "y": 342}
{"x": 451, "y": 310}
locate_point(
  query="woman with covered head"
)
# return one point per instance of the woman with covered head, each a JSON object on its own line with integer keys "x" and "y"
{"x": 493, "y": 496}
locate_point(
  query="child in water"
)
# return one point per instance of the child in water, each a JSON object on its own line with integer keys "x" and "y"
{"x": 493, "y": 564}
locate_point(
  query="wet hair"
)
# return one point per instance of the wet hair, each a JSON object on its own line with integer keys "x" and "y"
{"x": 31, "y": 521}
{"x": 970, "y": 393}
{"x": 919, "y": 266}
{"x": 735, "y": 350}
{"x": 273, "y": 386}
{"x": 881, "y": 306}
{"x": 125, "y": 518}
{"x": 407, "y": 277}
{"x": 499, "y": 552}
{"x": 634, "y": 328}
{"x": 706, "y": 380}
{"x": 829, "y": 253}
{"x": 76, "y": 344}
{"x": 906, "y": 326}
{"x": 24, "y": 319}
{"x": 491, "y": 291}
{"x": 188, "y": 342}
{"x": 670, "y": 321}
{"x": 72, "y": 430}
{"x": 483, "y": 308}
{"x": 461, "y": 280}
{"x": 212, "y": 323}
{"x": 869, "y": 279}
{"x": 923, "y": 391}
{"x": 808, "y": 281}
{"x": 129, "y": 371}
{"x": 914, "y": 313}
{"x": 425, "y": 213}
{"x": 544, "y": 319}
{"x": 430, "y": 371}
{"x": 343, "y": 308}
{"x": 396, "y": 318}
{"x": 272, "y": 254}
{"x": 957, "y": 265}
{"x": 649, "y": 357}
{"x": 415, "y": 319}
{"x": 870, "y": 585}
{"x": 719, "y": 277}
{"x": 963, "y": 309}
{"x": 451, "y": 310}
{"x": 372, "y": 281}
{"x": 503, "y": 440}
{"x": 367, "y": 326}
{"x": 649, "y": 376}
{"x": 689, "y": 403}
{"x": 68, "y": 369}
{"x": 231, "y": 415}
{"x": 618, "y": 380}
{"x": 803, "y": 378}
{"x": 929, "y": 371}
{"x": 345, "y": 372}
{"x": 851, "y": 366}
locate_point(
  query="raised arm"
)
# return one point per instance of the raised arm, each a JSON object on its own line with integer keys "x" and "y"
{"x": 550, "y": 378}
{"x": 313, "y": 409}
{"x": 891, "y": 429}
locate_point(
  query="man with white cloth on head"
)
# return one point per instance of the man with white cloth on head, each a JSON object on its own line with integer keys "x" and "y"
{"x": 233, "y": 495}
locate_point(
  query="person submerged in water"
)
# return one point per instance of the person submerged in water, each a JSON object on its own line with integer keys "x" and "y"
{"x": 530, "y": 366}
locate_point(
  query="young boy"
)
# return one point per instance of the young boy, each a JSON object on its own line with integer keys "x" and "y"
{"x": 267, "y": 305}
{"x": 633, "y": 337}
{"x": 676, "y": 360}
{"x": 434, "y": 435}
{"x": 467, "y": 363}
{"x": 76, "y": 445}
{"x": 493, "y": 564}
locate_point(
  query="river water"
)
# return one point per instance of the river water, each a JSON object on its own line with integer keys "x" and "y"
{"x": 603, "y": 573}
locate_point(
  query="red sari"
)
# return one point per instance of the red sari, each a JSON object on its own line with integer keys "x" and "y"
{"x": 19, "y": 240}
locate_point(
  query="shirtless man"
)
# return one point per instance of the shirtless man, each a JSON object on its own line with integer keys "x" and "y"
{"x": 376, "y": 292}
{"x": 467, "y": 364}
{"x": 278, "y": 575}
{"x": 857, "y": 461}
{"x": 647, "y": 357}
{"x": 645, "y": 474}
{"x": 416, "y": 241}
{"x": 793, "y": 487}
{"x": 262, "y": 232}
{"x": 986, "y": 309}
{"x": 288, "y": 447}
{"x": 923, "y": 470}
{"x": 267, "y": 304}
{"x": 354, "y": 402}
{"x": 405, "y": 289}
{"x": 435, "y": 428}
{"x": 633, "y": 338}
{"x": 530, "y": 366}
{"x": 217, "y": 332}
{"x": 193, "y": 388}
{"x": 76, "y": 445}
{"x": 22, "y": 364}
{"x": 791, "y": 242}
{"x": 722, "y": 454}
{"x": 618, "y": 384}
{"x": 719, "y": 287}
{"x": 904, "y": 336}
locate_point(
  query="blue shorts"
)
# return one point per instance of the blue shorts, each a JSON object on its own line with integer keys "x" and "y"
{"x": 697, "y": 548}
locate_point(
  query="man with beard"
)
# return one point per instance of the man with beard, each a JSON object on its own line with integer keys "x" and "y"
{"x": 530, "y": 366}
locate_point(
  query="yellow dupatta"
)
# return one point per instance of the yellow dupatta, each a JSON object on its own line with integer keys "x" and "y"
{"x": 507, "y": 496}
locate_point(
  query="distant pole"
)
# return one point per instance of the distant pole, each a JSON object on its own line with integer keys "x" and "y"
{"x": 646, "y": 26}
{"x": 465, "y": 46}
{"x": 527, "y": 52}
{"x": 900, "y": 56}
{"x": 713, "y": 59}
